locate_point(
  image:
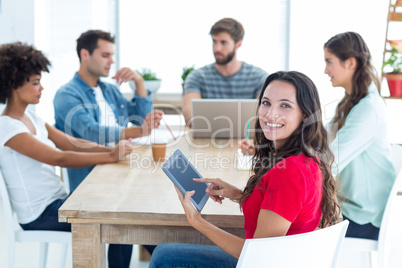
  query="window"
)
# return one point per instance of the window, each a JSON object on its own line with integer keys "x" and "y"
{"x": 58, "y": 24}
{"x": 166, "y": 36}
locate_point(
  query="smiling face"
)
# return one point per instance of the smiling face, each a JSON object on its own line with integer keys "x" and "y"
{"x": 341, "y": 73}
{"x": 99, "y": 63}
{"x": 224, "y": 48}
{"x": 30, "y": 92}
{"x": 279, "y": 113}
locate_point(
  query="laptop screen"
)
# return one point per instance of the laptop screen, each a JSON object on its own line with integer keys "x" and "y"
{"x": 222, "y": 118}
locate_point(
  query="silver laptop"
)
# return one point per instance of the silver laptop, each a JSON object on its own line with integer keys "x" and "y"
{"x": 223, "y": 118}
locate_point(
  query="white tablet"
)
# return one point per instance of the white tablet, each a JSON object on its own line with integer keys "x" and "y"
{"x": 181, "y": 172}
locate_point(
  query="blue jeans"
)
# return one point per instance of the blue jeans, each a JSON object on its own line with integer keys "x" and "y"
{"x": 367, "y": 231}
{"x": 189, "y": 255}
{"x": 118, "y": 256}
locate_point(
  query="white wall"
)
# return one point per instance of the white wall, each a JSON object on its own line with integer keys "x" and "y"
{"x": 60, "y": 23}
{"x": 313, "y": 22}
{"x": 57, "y": 24}
{"x": 168, "y": 41}
{"x": 17, "y": 21}
{"x": 53, "y": 26}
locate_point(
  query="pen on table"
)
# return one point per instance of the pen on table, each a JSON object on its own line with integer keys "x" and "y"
{"x": 248, "y": 131}
{"x": 169, "y": 129}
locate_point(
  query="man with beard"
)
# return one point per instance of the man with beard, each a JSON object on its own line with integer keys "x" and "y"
{"x": 227, "y": 78}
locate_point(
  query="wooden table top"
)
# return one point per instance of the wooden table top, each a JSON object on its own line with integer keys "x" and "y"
{"x": 136, "y": 191}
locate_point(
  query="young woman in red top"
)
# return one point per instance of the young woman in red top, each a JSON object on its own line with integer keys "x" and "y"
{"x": 292, "y": 190}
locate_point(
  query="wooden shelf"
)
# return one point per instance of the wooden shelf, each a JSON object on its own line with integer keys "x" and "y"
{"x": 169, "y": 103}
{"x": 397, "y": 4}
{"x": 395, "y": 16}
{"x": 175, "y": 99}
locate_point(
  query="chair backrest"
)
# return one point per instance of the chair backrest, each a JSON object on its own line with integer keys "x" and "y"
{"x": 64, "y": 177}
{"x": 8, "y": 212}
{"x": 385, "y": 229}
{"x": 315, "y": 249}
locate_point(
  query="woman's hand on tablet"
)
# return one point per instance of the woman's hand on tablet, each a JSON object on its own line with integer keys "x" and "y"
{"x": 192, "y": 214}
{"x": 219, "y": 190}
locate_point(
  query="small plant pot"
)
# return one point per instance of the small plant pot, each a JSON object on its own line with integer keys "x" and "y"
{"x": 394, "y": 84}
{"x": 151, "y": 85}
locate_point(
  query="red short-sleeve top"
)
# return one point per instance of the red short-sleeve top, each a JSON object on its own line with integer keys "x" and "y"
{"x": 292, "y": 189}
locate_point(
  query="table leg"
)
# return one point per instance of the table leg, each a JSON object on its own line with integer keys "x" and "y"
{"x": 144, "y": 254}
{"x": 88, "y": 251}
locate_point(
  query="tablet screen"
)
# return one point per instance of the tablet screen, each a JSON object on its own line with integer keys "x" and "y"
{"x": 184, "y": 173}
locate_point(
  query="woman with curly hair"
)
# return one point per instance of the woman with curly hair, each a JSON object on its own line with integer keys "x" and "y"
{"x": 291, "y": 191}
{"x": 359, "y": 135}
{"x": 30, "y": 148}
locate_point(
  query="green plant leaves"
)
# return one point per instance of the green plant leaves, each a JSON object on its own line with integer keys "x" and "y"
{"x": 186, "y": 71}
{"x": 147, "y": 74}
{"x": 394, "y": 63}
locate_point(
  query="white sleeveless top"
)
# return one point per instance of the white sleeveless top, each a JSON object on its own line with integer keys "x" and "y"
{"x": 31, "y": 185}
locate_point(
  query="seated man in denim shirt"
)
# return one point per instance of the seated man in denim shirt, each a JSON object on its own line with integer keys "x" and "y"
{"x": 93, "y": 110}
{"x": 90, "y": 109}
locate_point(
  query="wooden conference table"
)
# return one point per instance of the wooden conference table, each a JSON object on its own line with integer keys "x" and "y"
{"x": 134, "y": 202}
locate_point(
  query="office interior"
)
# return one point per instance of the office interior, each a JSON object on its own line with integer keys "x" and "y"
{"x": 167, "y": 36}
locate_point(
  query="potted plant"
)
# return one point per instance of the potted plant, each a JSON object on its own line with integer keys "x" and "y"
{"x": 151, "y": 81}
{"x": 392, "y": 68}
{"x": 186, "y": 72}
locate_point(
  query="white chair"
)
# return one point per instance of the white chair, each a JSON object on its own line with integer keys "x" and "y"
{"x": 397, "y": 157}
{"x": 359, "y": 252}
{"x": 64, "y": 177}
{"x": 317, "y": 249}
{"x": 43, "y": 237}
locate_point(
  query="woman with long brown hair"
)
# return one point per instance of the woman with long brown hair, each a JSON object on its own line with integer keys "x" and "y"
{"x": 359, "y": 135}
{"x": 292, "y": 190}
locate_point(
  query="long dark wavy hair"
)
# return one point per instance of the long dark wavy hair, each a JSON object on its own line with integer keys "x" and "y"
{"x": 310, "y": 139}
{"x": 344, "y": 46}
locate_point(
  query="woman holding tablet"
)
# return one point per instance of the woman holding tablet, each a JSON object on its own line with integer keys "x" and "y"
{"x": 30, "y": 148}
{"x": 291, "y": 191}
{"x": 359, "y": 135}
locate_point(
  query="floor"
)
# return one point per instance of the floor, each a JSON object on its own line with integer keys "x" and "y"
{"x": 27, "y": 254}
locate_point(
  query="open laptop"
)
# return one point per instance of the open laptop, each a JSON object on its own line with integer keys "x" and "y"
{"x": 223, "y": 118}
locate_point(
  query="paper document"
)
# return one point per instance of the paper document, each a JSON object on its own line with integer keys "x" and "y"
{"x": 160, "y": 133}
{"x": 244, "y": 162}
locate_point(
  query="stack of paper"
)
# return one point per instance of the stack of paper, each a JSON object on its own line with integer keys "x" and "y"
{"x": 161, "y": 134}
{"x": 244, "y": 162}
